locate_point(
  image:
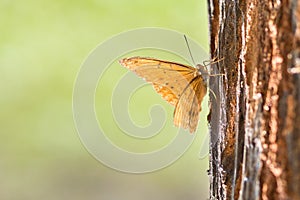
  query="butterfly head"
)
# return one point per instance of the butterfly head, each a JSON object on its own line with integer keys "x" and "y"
{"x": 203, "y": 71}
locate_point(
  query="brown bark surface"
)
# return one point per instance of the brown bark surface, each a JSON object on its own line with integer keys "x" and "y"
{"x": 255, "y": 117}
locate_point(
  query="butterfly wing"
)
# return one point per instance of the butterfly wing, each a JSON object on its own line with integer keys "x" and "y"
{"x": 166, "y": 93}
{"x": 186, "y": 113}
{"x": 168, "y": 78}
{"x": 176, "y": 83}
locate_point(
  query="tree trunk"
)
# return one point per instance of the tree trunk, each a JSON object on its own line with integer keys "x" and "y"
{"x": 255, "y": 116}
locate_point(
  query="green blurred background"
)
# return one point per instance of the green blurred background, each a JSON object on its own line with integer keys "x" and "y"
{"x": 42, "y": 45}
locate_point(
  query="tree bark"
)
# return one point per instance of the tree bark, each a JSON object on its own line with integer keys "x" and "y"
{"x": 255, "y": 116}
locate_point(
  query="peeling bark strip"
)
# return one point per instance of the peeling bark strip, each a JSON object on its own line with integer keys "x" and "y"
{"x": 255, "y": 121}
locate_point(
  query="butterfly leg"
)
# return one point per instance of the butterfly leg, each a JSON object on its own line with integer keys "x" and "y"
{"x": 212, "y": 61}
{"x": 213, "y": 93}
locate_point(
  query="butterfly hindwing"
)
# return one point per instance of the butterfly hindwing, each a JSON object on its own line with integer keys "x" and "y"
{"x": 186, "y": 113}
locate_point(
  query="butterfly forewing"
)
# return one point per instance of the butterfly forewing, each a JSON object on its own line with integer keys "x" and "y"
{"x": 166, "y": 94}
{"x": 177, "y": 83}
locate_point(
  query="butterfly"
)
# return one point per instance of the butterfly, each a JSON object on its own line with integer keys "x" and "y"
{"x": 183, "y": 86}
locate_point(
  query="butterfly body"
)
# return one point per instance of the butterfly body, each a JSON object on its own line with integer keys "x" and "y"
{"x": 181, "y": 85}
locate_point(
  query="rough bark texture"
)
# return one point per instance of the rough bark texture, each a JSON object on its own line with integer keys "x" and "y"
{"x": 255, "y": 117}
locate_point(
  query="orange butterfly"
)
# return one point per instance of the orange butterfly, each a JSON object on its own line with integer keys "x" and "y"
{"x": 181, "y": 85}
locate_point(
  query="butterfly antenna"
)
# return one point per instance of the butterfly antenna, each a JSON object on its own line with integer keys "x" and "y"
{"x": 188, "y": 46}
